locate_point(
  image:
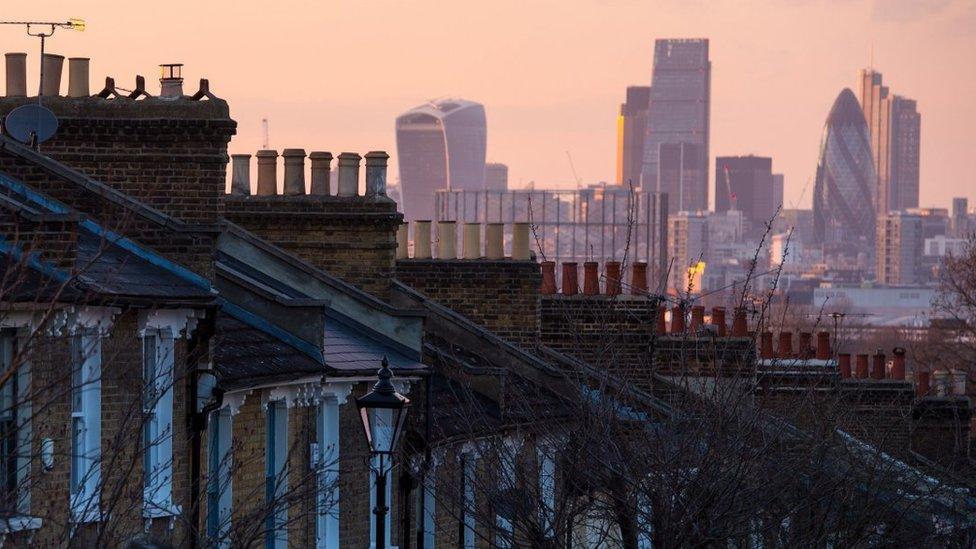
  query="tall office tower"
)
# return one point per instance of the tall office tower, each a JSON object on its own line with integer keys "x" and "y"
{"x": 844, "y": 191}
{"x": 746, "y": 183}
{"x": 679, "y": 115}
{"x": 900, "y": 244}
{"x": 778, "y": 185}
{"x": 894, "y": 125}
{"x": 496, "y": 177}
{"x": 687, "y": 245}
{"x": 440, "y": 145}
{"x": 631, "y": 127}
{"x": 960, "y": 217}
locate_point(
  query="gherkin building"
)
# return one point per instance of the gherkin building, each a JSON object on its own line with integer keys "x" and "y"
{"x": 844, "y": 193}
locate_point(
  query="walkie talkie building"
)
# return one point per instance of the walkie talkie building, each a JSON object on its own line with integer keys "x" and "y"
{"x": 844, "y": 192}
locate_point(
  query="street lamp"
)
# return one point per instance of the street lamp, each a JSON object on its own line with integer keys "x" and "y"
{"x": 383, "y": 411}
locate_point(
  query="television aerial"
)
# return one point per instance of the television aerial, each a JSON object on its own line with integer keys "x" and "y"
{"x": 31, "y": 124}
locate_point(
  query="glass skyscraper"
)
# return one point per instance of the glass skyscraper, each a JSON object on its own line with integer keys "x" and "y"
{"x": 440, "y": 145}
{"x": 676, "y": 142}
{"x": 845, "y": 190}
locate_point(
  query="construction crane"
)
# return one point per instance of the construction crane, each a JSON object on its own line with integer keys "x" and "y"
{"x": 579, "y": 182}
{"x": 728, "y": 188}
{"x": 265, "y": 134}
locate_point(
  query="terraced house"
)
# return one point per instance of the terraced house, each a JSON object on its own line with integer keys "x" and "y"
{"x": 180, "y": 364}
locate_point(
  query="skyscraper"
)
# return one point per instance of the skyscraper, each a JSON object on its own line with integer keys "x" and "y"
{"x": 678, "y": 114}
{"x": 631, "y": 127}
{"x": 894, "y": 125}
{"x": 496, "y": 177}
{"x": 845, "y": 190}
{"x": 687, "y": 245}
{"x": 900, "y": 244}
{"x": 440, "y": 145}
{"x": 746, "y": 183}
{"x": 778, "y": 186}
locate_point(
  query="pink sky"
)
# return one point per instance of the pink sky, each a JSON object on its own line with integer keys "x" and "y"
{"x": 334, "y": 75}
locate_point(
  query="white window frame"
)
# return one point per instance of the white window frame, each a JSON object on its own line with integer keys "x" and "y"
{"x": 546, "y": 456}
{"x": 158, "y": 359}
{"x": 469, "y": 469}
{"x": 382, "y": 430}
{"x": 327, "y": 466}
{"x": 20, "y": 407}
{"x": 276, "y": 471}
{"x": 86, "y": 427}
{"x": 220, "y": 487}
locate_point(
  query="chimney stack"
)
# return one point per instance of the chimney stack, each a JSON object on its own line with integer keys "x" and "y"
{"x": 267, "y": 173}
{"x": 718, "y": 319}
{"x": 446, "y": 240}
{"x": 403, "y": 240}
{"x": 78, "y": 85}
{"x": 16, "y": 74}
{"x": 861, "y": 371}
{"x": 766, "y": 346}
{"x": 878, "y": 367}
{"x": 844, "y": 365}
{"x": 421, "y": 239}
{"x": 321, "y": 172}
{"x": 294, "y": 171}
{"x": 898, "y": 364}
{"x": 53, "y": 66}
{"x": 638, "y": 278}
{"x": 495, "y": 243}
{"x": 520, "y": 241}
{"x": 823, "y": 347}
{"x": 376, "y": 173}
{"x": 548, "y": 277}
{"x": 471, "y": 241}
{"x": 678, "y": 318}
{"x": 591, "y": 278}
{"x": 171, "y": 80}
{"x": 570, "y": 283}
{"x": 349, "y": 174}
{"x": 240, "y": 181}
{"x": 740, "y": 324}
{"x": 785, "y": 349}
{"x": 697, "y": 317}
{"x": 613, "y": 278}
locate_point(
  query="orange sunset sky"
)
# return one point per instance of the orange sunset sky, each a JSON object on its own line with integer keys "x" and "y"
{"x": 333, "y": 75}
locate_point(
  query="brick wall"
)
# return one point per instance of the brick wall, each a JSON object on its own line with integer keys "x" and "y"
{"x": 501, "y": 295}
{"x": 878, "y": 412}
{"x": 353, "y": 238}
{"x": 940, "y": 429}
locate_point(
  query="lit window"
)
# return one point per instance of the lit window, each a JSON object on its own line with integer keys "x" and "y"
{"x": 157, "y": 409}
{"x": 86, "y": 428}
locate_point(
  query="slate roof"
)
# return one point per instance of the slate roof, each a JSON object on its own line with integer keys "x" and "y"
{"x": 245, "y": 355}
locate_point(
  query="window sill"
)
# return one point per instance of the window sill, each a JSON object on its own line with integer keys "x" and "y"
{"x": 19, "y": 524}
{"x": 161, "y": 511}
{"x": 87, "y": 515}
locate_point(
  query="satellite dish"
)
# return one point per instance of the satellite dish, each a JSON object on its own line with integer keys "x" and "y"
{"x": 31, "y": 124}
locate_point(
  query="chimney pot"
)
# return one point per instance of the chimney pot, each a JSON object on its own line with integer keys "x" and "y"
{"x": 613, "y": 278}
{"x": 678, "y": 319}
{"x": 861, "y": 371}
{"x": 294, "y": 171}
{"x": 923, "y": 383}
{"x": 171, "y": 80}
{"x": 421, "y": 239}
{"x": 785, "y": 349}
{"x": 823, "y": 346}
{"x": 959, "y": 380}
{"x": 267, "y": 172}
{"x": 740, "y": 323}
{"x": 898, "y": 364}
{"x": 520, "y": 242}
{"x": 548, "y": 277}
{"x": 495, "y": 241}
{"x": 570, "y": 282}
{"x": 844, "y": 365}
{"x": 446, "y": 240}
{"x": 321, "y": 162}
{"x": 78, "y": 83}
{"x": 16, "y": 74}
{"x": 718, "y": 319}
{"x": 878, "y": 367}
{"x": 240, "y": 181}
{"x": 638, "y": 278}
{"x": 376, "y": 173}
{"x": 806, "y": 350}
{"x": 53, "y": 66}
{"x": 471, "y": 241}
{"x": 591, "y": 278}
{"x": 697, "y": 317}
{"x": 766, "y": 346}
{"x": 403, "y": 239}
{"x": 349, "y": 174}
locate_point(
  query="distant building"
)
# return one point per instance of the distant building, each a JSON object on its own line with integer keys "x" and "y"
{"x": 900, "y": 244}
{"x": 798, "y": 221}
{"x": 676, "y": 143}
{"x": 845, "y": 188}
{"x": 746, "y": 183}
{"x": 778, "y": 186}
{"x": 496, "y": 177}
{"x": 935, "y": 221}
{"x": 962, "y": 221}
{"x": 440, "y": 145}
{"x": 631, "y": 129}
{"x": 687, "y": 245}
{"x": 941, "y": 246}
{"x": 894, "y": 125}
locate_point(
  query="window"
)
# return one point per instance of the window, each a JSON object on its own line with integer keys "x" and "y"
{"x": 157, "y": 411}
{"x": 468, "y": 467}
{"x": 547, "y": 486}
{"x": 15, "y": 435}
{"x": 327, "y": 467}
{"x": 86, "y": 429}
{"x": 427, "y": 519}
{"x": 276, "y": 475}
{"x": 219, "y": 487}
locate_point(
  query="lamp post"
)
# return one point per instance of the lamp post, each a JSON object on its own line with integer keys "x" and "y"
{"x": 383, "y": 411}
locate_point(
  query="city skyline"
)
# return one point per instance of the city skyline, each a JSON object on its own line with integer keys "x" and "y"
{"x": 547, "y": 93}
